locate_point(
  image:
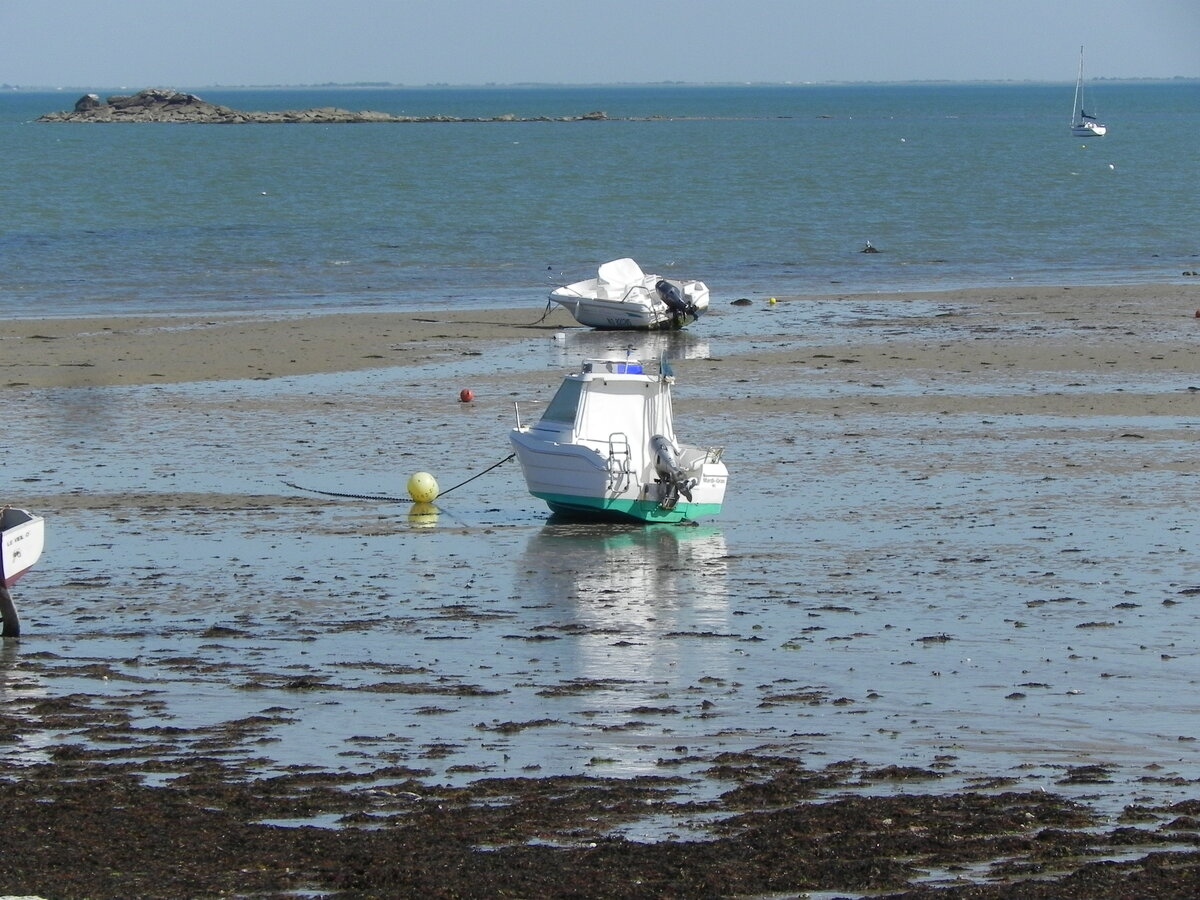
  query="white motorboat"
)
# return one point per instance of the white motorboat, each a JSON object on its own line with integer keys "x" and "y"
{"x": 22, "y": 535}
{"x": 1082, "y": 123}
{"x": 622, "y": 296}
{"x": 605, "y": 447}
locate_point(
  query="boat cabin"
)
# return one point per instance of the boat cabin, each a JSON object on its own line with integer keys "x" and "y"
{"x": 609, "y": 403}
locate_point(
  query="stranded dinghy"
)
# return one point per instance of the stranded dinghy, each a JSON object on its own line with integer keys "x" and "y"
{"x": 623, "y": 297}
{"x": 605, "y": 447}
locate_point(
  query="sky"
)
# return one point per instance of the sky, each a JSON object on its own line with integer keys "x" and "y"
{"x": 133, "y": 44}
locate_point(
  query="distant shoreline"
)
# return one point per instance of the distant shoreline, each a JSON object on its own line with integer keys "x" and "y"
{"x": 542, "y": 85}
{"x": 170, "y": 107}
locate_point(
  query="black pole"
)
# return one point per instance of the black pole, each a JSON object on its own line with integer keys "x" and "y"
{"x": 12, "y": 625}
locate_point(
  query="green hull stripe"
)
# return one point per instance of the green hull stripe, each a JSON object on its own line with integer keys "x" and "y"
{"x": 642, "y": 510}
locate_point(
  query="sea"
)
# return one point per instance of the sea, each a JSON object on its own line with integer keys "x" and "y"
{"x": 756, "y": 189}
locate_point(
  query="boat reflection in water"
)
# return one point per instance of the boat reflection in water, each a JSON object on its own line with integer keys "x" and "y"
{"x": 631, "y": 597}
{"x": 576, "y": 343}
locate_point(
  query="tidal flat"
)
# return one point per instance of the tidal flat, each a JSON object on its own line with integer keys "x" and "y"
{"x": 940, "y": 642}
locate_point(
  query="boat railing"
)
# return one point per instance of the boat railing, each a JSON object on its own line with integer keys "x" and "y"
{"x": 692, "y": 458}
{"x": 612, "y": 292}
{"x": 536, "y": 404}
{"x": 636, "y": 287}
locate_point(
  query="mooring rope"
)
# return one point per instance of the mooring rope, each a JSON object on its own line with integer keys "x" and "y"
{"x": 545, "y": 313}
{"x": 385, "y": 499}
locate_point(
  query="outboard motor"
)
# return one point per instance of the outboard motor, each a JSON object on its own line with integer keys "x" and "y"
{"x": 666, "y": 464}
{"x": 673, "y": 297}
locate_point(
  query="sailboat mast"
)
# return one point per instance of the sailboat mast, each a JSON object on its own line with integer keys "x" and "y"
{"x": 1077, "y": 109}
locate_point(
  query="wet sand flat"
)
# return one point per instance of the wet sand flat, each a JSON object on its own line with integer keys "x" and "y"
{"x": 1082, "y": 329}
{"x": 939, "y": 642}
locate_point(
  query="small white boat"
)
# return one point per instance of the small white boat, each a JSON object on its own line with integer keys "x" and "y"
{"x": 605, "y": 447}
{"x": 21, "y": 537}
{"x": 1083, "y": 124}
{"x": 622, "y": 296}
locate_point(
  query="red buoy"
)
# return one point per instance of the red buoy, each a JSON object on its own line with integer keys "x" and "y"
{"x": 466, "y": 395}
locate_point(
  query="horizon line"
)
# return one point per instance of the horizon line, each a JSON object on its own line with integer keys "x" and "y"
{"x": 442, "y": 85}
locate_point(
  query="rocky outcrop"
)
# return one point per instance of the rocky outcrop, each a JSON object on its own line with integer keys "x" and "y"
{"x": 176, "y": 107}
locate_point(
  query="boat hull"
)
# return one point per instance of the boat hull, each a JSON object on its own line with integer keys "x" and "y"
{"x": 23, "y": 535}
{"x": 577, "y": 481}
{"x": 612, "y": 315}
{"x": 626, "y": 510}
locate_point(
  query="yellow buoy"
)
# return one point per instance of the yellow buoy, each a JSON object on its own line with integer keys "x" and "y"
{"x": 772, "y": 301}
{"x": 423, "y": 487}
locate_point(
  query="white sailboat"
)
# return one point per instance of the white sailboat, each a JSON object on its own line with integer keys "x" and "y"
{"x": 1082, "y": 123}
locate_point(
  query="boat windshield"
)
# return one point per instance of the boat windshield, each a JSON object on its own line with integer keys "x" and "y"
{"x": 562, "y": 408}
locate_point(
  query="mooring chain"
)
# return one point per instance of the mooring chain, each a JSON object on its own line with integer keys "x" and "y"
{"x": 385, "y": 499}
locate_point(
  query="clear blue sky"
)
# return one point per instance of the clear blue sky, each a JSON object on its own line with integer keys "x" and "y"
{"x": 197, "y": 43}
